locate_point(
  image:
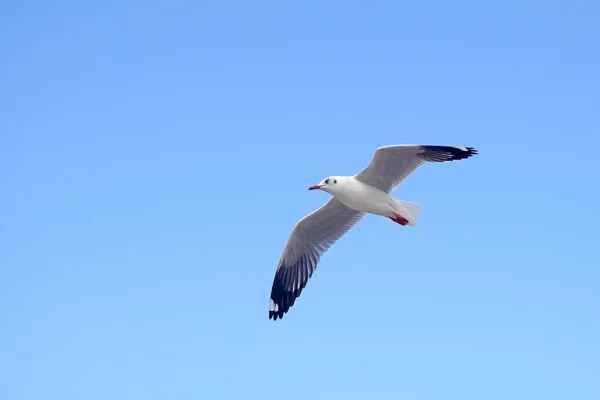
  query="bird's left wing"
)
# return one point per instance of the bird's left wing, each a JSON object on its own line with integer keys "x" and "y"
{"x": 312, "y": 236}
{"x": 392, "y": 164}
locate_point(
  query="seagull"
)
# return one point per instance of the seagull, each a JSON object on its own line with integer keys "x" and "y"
{"x": 367, "y": 192}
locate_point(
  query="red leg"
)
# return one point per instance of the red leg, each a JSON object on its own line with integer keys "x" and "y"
{"x": 399, "y": 219}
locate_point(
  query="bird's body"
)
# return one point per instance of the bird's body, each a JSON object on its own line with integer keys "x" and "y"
{"x": 362, "y": 197}
{"x": 368, "y": 192}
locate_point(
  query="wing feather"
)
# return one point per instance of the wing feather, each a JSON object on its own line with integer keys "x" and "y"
{"x": 392, "y": 164}
{"x": 312, "y": 236}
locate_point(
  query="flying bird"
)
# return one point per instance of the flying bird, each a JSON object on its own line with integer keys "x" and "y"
{"x": 367, "y": 192}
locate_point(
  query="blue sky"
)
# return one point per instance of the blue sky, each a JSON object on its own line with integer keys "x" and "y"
{"x": 156, "y": 156}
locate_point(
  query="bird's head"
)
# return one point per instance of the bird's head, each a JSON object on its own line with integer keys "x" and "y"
{"x": 329, "y": 184}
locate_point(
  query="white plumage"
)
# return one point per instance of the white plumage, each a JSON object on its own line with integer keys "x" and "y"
{"x": 367, "y": 192}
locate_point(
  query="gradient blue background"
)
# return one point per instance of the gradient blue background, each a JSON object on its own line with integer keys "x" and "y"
{"x": 156, "y": 155}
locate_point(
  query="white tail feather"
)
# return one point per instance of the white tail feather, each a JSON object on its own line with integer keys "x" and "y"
{"x": 409, "y": 210}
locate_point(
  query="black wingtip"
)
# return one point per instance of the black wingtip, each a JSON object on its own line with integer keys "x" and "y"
{"x": 461, "y": 154}
{"x": 472, "y": 152}
{"x": 447, "y": 153}
{"x": 282, "y": 299}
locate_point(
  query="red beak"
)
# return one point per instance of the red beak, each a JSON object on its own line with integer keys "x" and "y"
{"x": 314, "y": 187}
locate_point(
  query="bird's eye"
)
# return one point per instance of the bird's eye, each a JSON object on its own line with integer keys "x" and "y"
{"x": 327, "y": 181}
{"x": 335, "y": 181}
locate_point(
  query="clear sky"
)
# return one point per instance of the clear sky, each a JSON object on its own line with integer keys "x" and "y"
{"x": 156, "y": 155}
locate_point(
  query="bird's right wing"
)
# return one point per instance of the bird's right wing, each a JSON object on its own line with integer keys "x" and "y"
{"x": 312, "y": 236}
{"x": 392, "y": 164}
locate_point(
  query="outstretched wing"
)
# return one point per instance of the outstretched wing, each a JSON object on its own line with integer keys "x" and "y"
{"x": 392, "y": 164}
{"x": 312, "y": 236}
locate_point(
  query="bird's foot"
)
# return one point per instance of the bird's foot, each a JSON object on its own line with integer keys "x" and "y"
{"x": 399, "y": 219}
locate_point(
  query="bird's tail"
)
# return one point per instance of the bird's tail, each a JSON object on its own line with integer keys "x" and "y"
{"x": 411, "y": 211}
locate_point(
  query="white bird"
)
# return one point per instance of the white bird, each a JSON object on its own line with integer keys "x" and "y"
{"x": 367, "y": 192}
